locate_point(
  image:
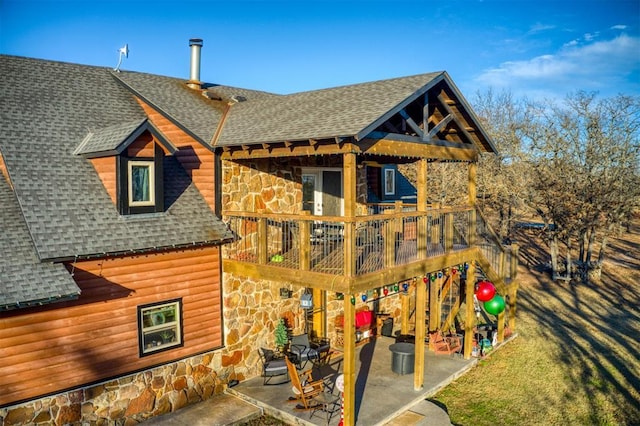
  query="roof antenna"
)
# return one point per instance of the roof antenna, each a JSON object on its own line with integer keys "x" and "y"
{"x": 124, "y": 51}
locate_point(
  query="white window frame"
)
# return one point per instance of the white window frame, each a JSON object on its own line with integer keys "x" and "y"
{"x": 160, "y": 326}
{"x": 152, "y": 182}
{"x": 389, "y": 182}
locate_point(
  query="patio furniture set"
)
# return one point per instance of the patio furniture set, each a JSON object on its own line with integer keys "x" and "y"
{"x": 312, "y": 388}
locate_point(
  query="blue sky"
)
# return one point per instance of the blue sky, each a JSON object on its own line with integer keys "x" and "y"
{"x": 536, "y": 48}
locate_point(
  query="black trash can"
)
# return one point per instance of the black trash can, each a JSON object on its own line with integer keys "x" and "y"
{"x": 403, "y": 357}
{"x": 387, "y": 327}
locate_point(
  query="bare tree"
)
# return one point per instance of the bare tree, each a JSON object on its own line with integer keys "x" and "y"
{"x": 586, "y": 162}
{"x": 504, "y": 180}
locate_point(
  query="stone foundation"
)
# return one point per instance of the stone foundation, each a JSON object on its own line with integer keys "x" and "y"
{"x": 128, "y": 400}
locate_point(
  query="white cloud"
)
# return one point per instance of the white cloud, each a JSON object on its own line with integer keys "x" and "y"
{"x": 539, "y": 27}
{"x": 601, "y": 66}
{"x": 619, "y": 27}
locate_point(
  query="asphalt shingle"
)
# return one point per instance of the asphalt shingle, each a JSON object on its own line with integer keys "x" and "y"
{"x": 47, "y": 108}
{"x": 24, "y": 280}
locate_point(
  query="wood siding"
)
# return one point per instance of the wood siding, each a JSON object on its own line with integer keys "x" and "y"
{"x": 106, "y": 169}
{"x": 144, "y": 146}
{"x": 70, "y": 344}
{"x": 197, "y": 160}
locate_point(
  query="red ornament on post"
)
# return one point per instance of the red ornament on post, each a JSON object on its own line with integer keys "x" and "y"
{"x": 485, "y": 291}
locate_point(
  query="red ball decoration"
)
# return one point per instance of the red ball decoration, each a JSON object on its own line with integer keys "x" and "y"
{"x": 385, "y": 291}
{"x": 485, "y": 291}
{"x": 495, "y": 306}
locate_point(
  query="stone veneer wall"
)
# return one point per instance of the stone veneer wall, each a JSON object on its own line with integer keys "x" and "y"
{"x": 130, "y": 399}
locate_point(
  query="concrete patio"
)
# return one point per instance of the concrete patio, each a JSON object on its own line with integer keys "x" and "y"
{"x": 382, "y": 397}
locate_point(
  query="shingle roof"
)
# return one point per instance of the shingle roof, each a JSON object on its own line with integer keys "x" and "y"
{"x": 107, "y": 139}
{"x": 197, "y": 114}
{"x": 24, "y": 280}
{"x": 47, "y": 108}
{"x": 336, "y": 112}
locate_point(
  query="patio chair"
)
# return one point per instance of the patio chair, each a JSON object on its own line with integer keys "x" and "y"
{"x": 301, "y": 349}
{"x": 441, "y": 344}
{"x": 272, "y": 366}
{"x": 304, "y": 388}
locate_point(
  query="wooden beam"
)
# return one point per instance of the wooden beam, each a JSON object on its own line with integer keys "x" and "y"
{"x": 297, "y": 277}
{"x": 412, "y": 123}
{"x": 441, "y": 150}
{"x": 362, "y": 283}
{"x": 425, "y": 115}
{"x": 472, "y": 172}
{"x": 349, "y": 365}
{"x": 421, "y": 305}
{"x": 348, "y": 285}
{"x": 288, "y": 149}
{"x": 405, "y": 311}
{"x": 461, "y": 126}
{"x": 469, "y": 317}
{"x": 439, "y": 126}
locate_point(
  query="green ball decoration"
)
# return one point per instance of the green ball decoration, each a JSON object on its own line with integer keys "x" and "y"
{"x": 353, "y": 300}
{"x": 395, "y": 287}
{"x": 495, "y": 306}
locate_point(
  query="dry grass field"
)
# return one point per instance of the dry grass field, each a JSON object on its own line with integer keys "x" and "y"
{"x": 576, "y": 360}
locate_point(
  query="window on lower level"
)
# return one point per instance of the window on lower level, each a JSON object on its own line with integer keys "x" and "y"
{"x": 160, "y": 326}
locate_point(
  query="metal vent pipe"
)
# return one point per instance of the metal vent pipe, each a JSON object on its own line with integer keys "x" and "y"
{"x": 194, "y": 75}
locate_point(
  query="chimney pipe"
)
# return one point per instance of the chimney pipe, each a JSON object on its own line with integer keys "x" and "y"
{"x": 194, "y": 75}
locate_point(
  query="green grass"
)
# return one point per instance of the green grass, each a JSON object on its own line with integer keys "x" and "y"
{"x": 576, "y": 358}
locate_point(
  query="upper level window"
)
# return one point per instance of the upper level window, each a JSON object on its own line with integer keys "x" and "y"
{"x": 389, "y": 182}
{"x": 140, "y": 184}
{"x": 141, "y": 179}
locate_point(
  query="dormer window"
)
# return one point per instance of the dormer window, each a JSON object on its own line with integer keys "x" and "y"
{"x": 138, "y": 149}
{"x": 141, "y": 179}
{"x": 140, "y": 188}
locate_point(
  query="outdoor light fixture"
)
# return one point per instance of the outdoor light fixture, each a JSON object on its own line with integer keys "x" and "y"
{"x": 306, "y": 301}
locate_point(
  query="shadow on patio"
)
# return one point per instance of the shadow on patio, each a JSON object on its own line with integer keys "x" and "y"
{"x": 381, "y": 395}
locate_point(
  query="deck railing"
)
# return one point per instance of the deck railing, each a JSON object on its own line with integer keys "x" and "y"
{"x": 348, "y": 246}
{"x": 503, "y": 258}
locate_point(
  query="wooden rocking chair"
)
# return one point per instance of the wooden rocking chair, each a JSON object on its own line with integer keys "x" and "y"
{"x": 304, "y": 388}
{"x": 441, "y": 344}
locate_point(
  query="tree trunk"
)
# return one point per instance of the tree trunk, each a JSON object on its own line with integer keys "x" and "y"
{"x": 554, "y": 257}
{"x": 603, "y": 248}
{"x": 568, "y": 260}
{"x": 592, "y": 237}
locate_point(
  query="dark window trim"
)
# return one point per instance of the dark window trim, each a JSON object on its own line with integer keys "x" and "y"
{"x": 141, "y": 344}
{"x": 122, "y": 176}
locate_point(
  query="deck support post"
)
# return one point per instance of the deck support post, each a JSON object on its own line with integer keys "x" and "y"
{"x": 421, "y": 300}
{"x": 473, "y": 232}
{"x": 434, "y": 303}
{"x": 405, "y": 311}
{"x": 349, "y": 367}
{"x": 469, "y": 317}
{"x": 422, "y": 222}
